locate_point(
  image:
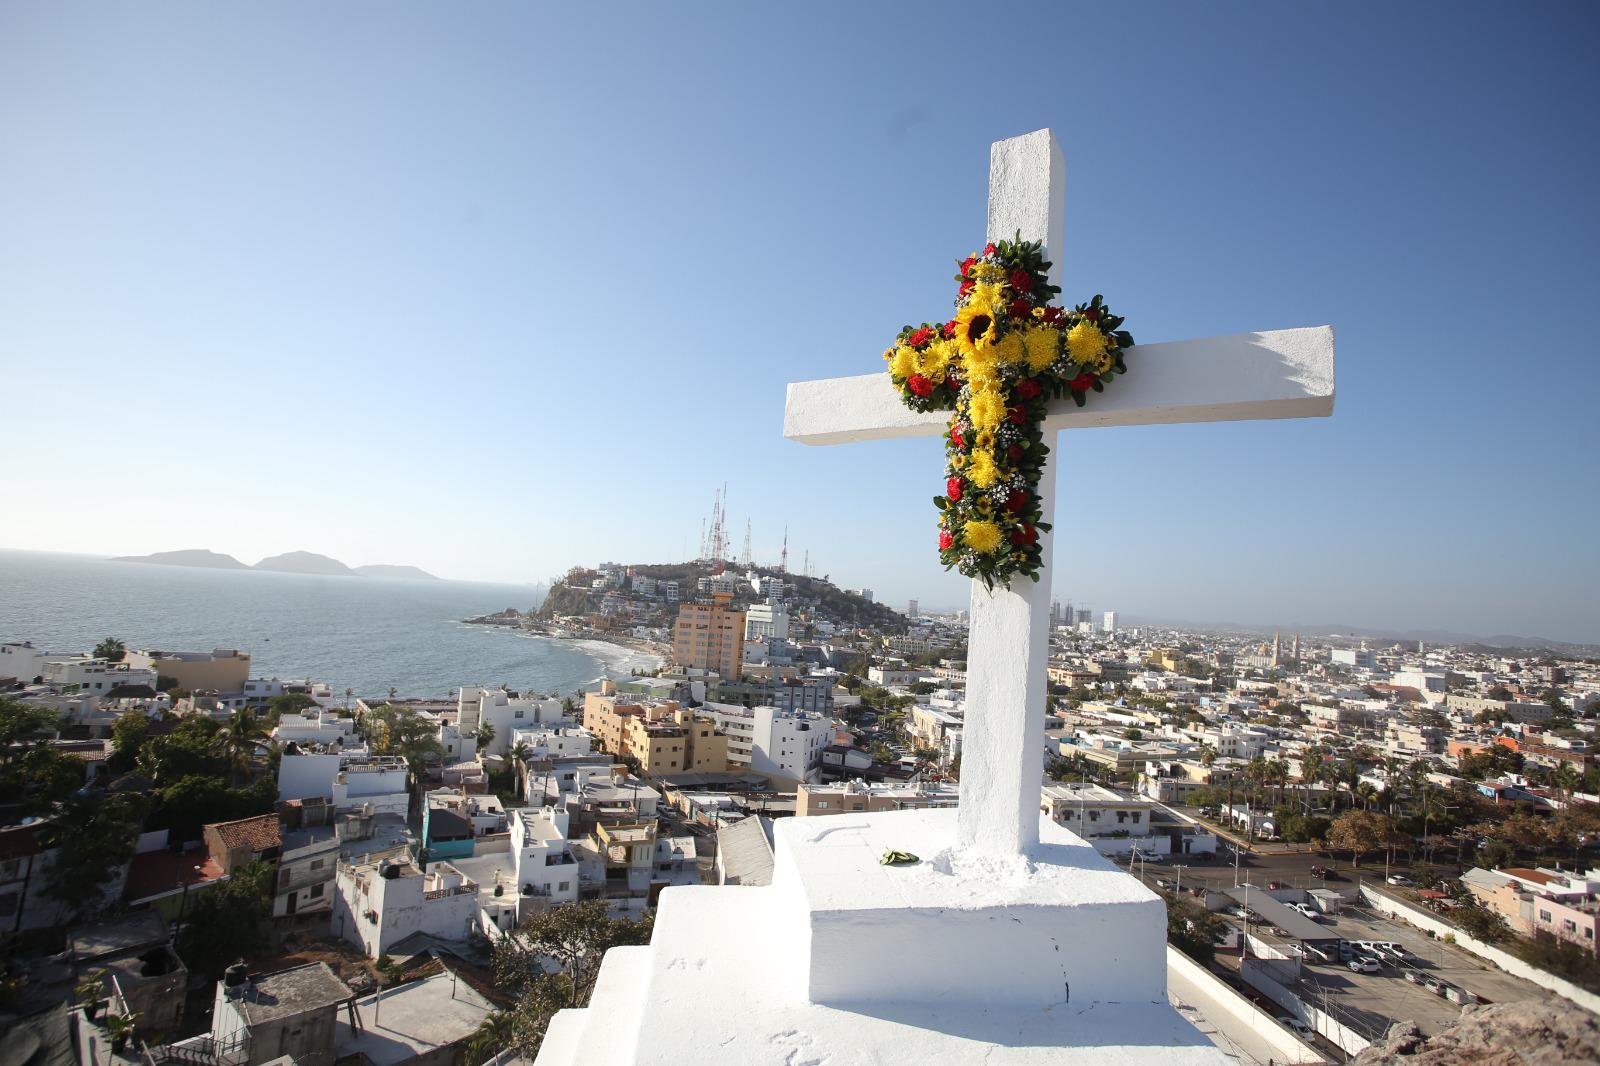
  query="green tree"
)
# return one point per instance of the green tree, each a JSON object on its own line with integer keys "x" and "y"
{"x": 239, "y": 739}
{"x": 1192, "y": 929}
{"x": 111, "y": 649}
{"x": 288, "y": 703}
{"x": 128, "y": 734}
{"x": 521, "y": 752}
{"x": 402, "y": 731}
{"x": 1500, "y": 692}
{"x": 24, "y": 729}
{"x": 484, "y": 734}
{"x": 229, "y": 921}
{"x": 1359, "y": 832}
{"x": 93, "y": 835}
{"x": 573, "y": 939}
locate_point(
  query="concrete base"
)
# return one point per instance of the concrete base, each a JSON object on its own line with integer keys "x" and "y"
{"x": 963, "y": 958}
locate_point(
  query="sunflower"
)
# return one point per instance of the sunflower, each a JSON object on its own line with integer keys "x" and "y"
{"x": 1043, "y": 344}
{"x": 975, "y": 328}
{"x": 982, "y": 537}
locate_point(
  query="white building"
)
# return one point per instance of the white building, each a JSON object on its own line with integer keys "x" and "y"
{"x": 766, "y": 621}
{"x": 1360, "y": 658}
{"x": 324, "y": 729}
{"x": 1109, "y": 622}
{"x": 346, "y": 780}
{"x": 98, "y": 676}
{"x": 554, "y": 742}
{"x": 506, "y": 713}
{"x": 381, "y": 902}
{"x": 783, "y": 745}
{"x": 546, "y": 868}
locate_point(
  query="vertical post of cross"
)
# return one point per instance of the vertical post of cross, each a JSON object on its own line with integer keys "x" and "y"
{"x": 1009, "y": 641}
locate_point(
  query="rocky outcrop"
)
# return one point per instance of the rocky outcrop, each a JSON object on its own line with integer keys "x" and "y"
{"x": 1534, "y": 1033}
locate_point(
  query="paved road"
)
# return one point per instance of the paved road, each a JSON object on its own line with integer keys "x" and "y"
{"x": 1259, "y": 868}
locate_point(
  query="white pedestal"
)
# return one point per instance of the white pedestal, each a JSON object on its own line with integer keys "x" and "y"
{"x": 963, "y": 958}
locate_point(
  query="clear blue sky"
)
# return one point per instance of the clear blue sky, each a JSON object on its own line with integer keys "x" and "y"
{"x": 498, "y": 288}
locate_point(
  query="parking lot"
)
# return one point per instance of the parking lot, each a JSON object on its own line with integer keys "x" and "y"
{"x": 1375, "y": 1000}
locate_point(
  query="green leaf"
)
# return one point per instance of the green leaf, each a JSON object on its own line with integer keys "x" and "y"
{"x": 940, "y": 502}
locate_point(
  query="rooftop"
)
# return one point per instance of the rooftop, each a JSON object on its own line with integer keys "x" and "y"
{"x": 289, "y": 992}
{"x": 400, "y": 1024}
{"x": 155, "y": 873}
{"x": 256, "y": 834}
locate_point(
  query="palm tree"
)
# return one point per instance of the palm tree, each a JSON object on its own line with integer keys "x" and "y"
{"x": 520, "y": 754}
{"x": 484, "y": 734}
{"x": 1565, "y": 779}
{"x": 494, "y": 1035}
{"x": 239, "y": 736}
{"x": 1367, "y": 793}
{"x": 111, "y": 649}
{"x": 1208, "y": 755}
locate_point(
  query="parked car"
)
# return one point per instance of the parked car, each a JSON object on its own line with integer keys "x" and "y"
{"x": 1308, "y": 910}
{"x": 1400, "y": 879}
{"x": 1391, "y": 950}
{"x": 1300, "y": 1028}
{"x": 1434, "y": 985}
{"x": 1414, "y": 976}
{"x": 1364, "y": 964}
{"x": 1347, "y": 950}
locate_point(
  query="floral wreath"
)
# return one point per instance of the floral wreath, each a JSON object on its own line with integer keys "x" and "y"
{"x": 998, "y": 363}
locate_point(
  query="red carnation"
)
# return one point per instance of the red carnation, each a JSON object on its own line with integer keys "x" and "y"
{"x": 1018, "y": 537}
{"x": 1028, "y": 388}
{"x": 1020, "y": 308}
{"x": 967, "y": 264}
{"x": 1092, "y": 315}
{"x": 966, "y": 287}
{"x": 1014, "y": 453}
{"x": 1032, "y": 533}
{"x": 920, "y": 337}
{"x": 988, "y": 249}
{"x": 919, "y": 385}
{"x": 1053, "y": 315}
{"x": 952, "y": 489}
{"x": 1017, "y": 415}
{"x": 955, "y": 435}
{"x": 1022, "y": 281}
{"x": 949, "y": 329}
{"x": 946, "y": 540}
{"x": 1082, "y": 383}
{"x": 1016, "y": 501}
{"x": 953, "y": 381}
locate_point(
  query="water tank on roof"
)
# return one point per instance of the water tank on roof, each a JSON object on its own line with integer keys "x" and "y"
{"x": 388, "y": 870}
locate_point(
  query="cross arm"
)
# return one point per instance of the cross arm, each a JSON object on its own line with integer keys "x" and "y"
{"x": 1284, "y": 373}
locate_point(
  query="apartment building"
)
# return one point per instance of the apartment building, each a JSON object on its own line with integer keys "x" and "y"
{"x": 785, "y": 746}
{"x": 381, "y": 902}
{"x": 222, "y": 670}
{"x": 1561, "y": 903}
{"x": 660, "y": 735}
{"x": 852, "y": 797}
{"x": 709, "y": 635}
{"x": 505, "y": 712}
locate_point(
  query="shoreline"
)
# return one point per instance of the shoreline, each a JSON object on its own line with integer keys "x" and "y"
{"x": 617, "y": 655}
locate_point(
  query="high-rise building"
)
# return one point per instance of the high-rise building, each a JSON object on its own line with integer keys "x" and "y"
{"x": 709, "y": 635}
{"x": 1084, "y": 616}
{"x": 911, "y": 609}
{"x": 1109, "y": 622}
{"x": 766, "y": 621}
{"x": 866, "y": 594}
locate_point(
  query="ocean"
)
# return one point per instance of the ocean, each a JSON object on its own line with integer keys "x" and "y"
{"x": 365, "y": 633}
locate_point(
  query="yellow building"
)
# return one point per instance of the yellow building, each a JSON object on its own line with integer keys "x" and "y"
{"x": 224, "y": 670}
{"x": 662, "y": 737}
{"x": 710, "y": 636}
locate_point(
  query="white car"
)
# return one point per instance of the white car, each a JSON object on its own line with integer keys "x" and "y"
{"x": 1364, "y": 964}
{"x": 1400, "y": 880}
{"x": 1308, "y": 910}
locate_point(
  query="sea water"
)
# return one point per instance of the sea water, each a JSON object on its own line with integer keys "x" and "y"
{"x": 369, "y": 634}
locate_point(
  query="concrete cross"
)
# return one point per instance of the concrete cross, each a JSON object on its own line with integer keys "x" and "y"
{"x": 1279, "y": 374}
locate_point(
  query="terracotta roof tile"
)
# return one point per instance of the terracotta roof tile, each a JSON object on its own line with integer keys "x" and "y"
{"x": 257, "y": 834}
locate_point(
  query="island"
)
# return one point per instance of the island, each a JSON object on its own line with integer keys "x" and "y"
{"x": 200, "y": 557}
{"x": 295, "y": 562}
{"x": 414, "y": 573}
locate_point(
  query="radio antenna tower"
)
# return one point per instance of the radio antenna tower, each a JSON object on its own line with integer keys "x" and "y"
{"x": 746, "y": 558}
{"x": 783, "y": 563}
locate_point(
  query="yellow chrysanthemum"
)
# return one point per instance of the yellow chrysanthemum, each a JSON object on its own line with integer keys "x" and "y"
{"x": 982, "y": 537}
{"x": 1042, "y": 343}
{"x": 990, "y": 296}
{"x": 1009, "y": 349}
{"x": 937, "y": 359}
{"x": 902, "y": 363}
{"x": 986, "y": 272}
{"x": 1086, "y": 344}
{"x": 983, "y": 470}
{"x": 988, "y": 410}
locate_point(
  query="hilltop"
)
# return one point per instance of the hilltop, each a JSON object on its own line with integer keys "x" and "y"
{"x": 572, "y": 596}
{"x": 295, "y": 562}
{"x": 200, "y": 557}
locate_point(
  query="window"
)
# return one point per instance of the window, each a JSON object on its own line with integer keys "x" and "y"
{"x": 822, "y": 805}
{"x": 8, "y": 902}
{"x": 1544, "y": 916}
{"x": 565, "y": 885}
{"x": 316, "y": 890}
{"x": 316, "y": 864}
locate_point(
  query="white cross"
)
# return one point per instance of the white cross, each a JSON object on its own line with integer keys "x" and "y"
{"x": 1280, "y": 374}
